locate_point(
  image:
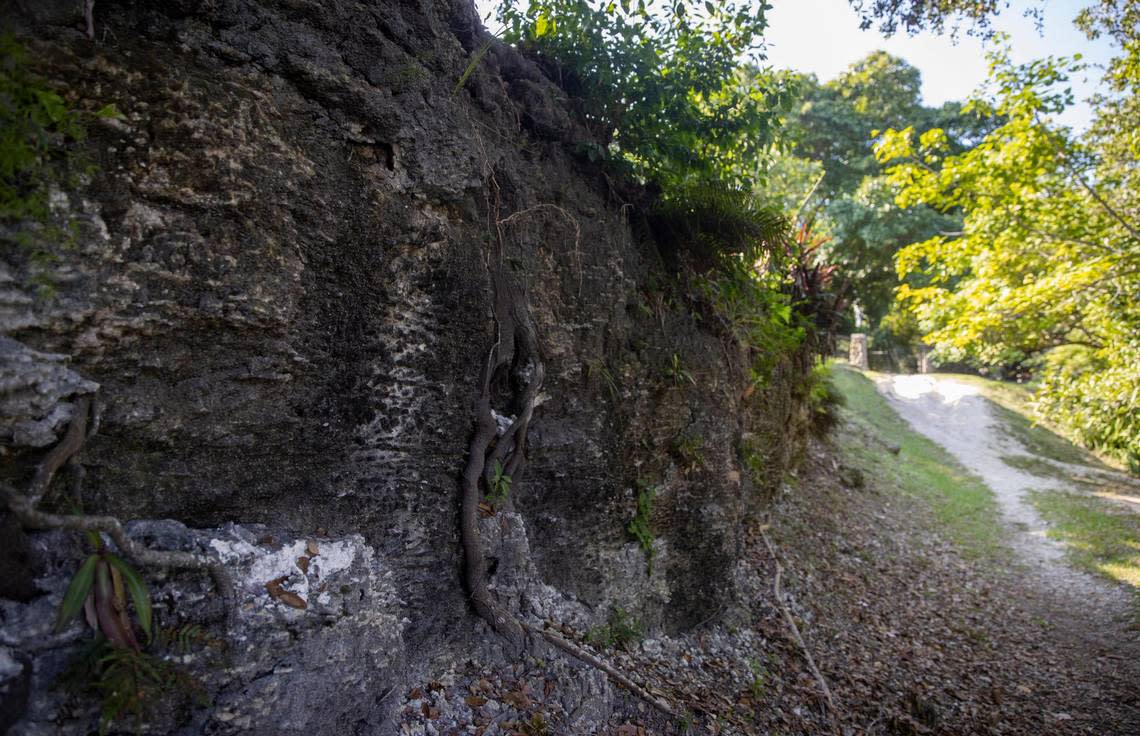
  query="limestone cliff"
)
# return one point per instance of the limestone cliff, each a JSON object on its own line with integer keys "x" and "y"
{"x": 280, "y": 297}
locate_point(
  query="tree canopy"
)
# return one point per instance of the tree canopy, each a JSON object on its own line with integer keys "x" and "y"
{"x": 1045, "y": 272}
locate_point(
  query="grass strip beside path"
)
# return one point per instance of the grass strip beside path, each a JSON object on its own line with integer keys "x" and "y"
{"x": 959, "y": 500}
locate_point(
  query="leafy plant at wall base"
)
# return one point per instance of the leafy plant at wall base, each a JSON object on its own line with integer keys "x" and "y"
{"x": 620, "y": 631}
{"x": 100, "y": 589}
{"x": 113, "y": 667}
{"x": 127, "y": 682}
{"x": 823, "y": 399}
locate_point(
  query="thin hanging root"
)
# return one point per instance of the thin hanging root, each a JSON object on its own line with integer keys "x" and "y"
{"x": 89, "y": 18}
{"x": 832, "y": 711}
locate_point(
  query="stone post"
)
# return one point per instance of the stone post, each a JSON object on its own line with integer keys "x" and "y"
{"x": 924, "y": 359}
{"x": 859, "y": 351}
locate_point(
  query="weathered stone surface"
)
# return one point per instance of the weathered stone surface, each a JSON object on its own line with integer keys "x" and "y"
{"x": 276, "y": 669}
{"x": 35, "y": 389}
{"x": 281, "y": 289}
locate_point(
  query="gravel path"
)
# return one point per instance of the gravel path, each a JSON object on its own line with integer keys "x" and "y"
{"x": 954, "y": 415}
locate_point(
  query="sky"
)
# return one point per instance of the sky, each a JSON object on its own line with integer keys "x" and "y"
{"x": 823, "y": 37}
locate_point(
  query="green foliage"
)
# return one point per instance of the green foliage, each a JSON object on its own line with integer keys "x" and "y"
{"x": 127, "y": 682}
{"x": 912, "y": 16}
{"x": 716, "y": 223}
{"x": 621, "y": 630}
{"x": 678, "y": 373}
{"x": 113, "y": 667}
{"x": 185, "y": 639}
{"x": 823, "y": 399}
{"x": 835, "y": 122}
{"x": 1098, "y": 397}
{"x": 77, "y": 592}
{"x": 756, "y": 309}
{"x": 830, "y": 176}
{"x": 1098, "y": 536}
{"x": 639, "y": 525}
{"x": 759, "y": 682}
{"x": 689, "y": 449}
{"x": 471, "y": 67}
{"x": 662, "y": 88}
{"x": 1049, "y": 252}
{"x": 136, "y": 589}
{"x": 499, "y": 486}
{"x": 867, "y": 229}
{"x": 37, "y": 131}
{"x": 103, "y": 584}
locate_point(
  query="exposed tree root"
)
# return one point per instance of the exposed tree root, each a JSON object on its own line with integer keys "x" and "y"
{"x": 578, "y": 652}
{"x": 512, "y": 361}
{"x": 832, "y": 711}
{"x": 24, "y": 507}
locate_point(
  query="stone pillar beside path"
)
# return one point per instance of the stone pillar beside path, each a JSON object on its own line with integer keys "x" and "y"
{"x": 858, "y": 357}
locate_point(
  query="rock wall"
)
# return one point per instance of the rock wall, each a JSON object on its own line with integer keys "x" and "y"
{"x": 280, "y": 294}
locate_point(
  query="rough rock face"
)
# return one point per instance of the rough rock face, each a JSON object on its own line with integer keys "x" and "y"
{"x": 280, "y": 291}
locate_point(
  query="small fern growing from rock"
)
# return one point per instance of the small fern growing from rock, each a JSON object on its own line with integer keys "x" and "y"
{"x": 499, "y": 489}
{"x": 620, "y": 631}
{"x": 639, "y": 525}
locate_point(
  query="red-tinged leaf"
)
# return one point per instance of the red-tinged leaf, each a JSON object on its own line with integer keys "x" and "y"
{"x": 119, "y": 603}
{"x": 76, "y": 592}
{"x": 105, "y": 611}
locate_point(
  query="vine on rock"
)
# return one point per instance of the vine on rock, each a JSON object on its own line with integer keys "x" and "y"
{"x": 514, "y": 363}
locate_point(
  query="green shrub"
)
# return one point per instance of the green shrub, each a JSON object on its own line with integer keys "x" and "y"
{"x": 756, "y": 310}
{"x": 639, "y": 525}
{"x": 1097, "y": 397}
{"x": 662, "y": 89}
{"x": 37, "y": 131}
{"x": 824, "y": 400}
{"x": 714, "y": 222}
{"x": 620, "y": 631}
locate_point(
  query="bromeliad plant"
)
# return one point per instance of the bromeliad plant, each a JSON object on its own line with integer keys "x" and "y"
{"x": 100, "y": 589}
{"x": 113, "y": 667}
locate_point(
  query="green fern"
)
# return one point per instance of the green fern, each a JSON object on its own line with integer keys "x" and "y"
{"x": 639, "y": 525}
{"x": 712, "y": 221}
{"x": 127, "y": 682}
{"x": 471, "y": 67}
{"x": 499, "y": 487}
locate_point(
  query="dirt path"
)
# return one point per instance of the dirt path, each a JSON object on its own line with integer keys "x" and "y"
{"x": 954, "y": 415}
